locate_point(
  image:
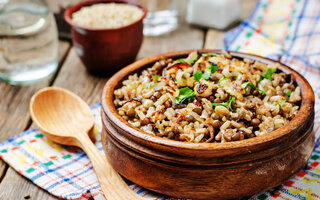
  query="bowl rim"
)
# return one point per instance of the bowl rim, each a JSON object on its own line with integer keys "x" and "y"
{"x": 108, "y": 108}
{"x": 69, "y": 11}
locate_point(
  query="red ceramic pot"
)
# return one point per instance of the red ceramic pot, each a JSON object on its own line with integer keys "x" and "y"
{"x": 104, "y": 51}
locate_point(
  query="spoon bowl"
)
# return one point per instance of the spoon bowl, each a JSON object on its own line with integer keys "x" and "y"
{"x": 66, "y": 119}
{"x": 52, "y": 107}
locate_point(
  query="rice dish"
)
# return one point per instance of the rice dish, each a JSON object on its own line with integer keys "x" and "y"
{"x": 208, "y": 97}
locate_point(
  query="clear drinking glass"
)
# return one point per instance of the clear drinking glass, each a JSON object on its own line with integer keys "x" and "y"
{"x": 162, "y": 17}
{"x": 28, "y": 41}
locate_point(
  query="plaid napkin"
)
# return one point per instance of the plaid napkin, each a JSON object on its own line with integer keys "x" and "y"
{"x": 286, "y": 30}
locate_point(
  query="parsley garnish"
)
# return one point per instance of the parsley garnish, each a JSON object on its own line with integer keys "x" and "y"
{"x": 184, "y": 93}
{"x": 231, "y": 99}
{"x": 210, "y": 70}
{"x": 155, "y": 77}
{"x": 226, "y": 104}
{"x": 148, "y": 86}
{"x": 210, "y": 54}
{"x": 288, "y": 94}
{"x": 244, "y": 85}
{"x": 220, "y": 104}
{"x": 269, "y": 73}
{"x": 281, "y": 103}
{"x": 223, "y": 79}
{"x": 181, "y": 60}
{"x": 197, "y": 76}
{"x": 193, "y": 59}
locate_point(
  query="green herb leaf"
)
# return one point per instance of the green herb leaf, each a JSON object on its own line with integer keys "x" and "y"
{"x": 281, "y": 103}
{"x": 231, "y": 99}
{"x": 220, "y": 104}
{"x": 184, "y": 93}
{"x": 244, "y": 86}
{"x": 150, "y": 85}
{"x": 226, "y": 104}
{"x": 155, "y": 77}
{"x": 193, "y": 59}
{"x": 210, "y": 54}
{"x": 213, "y": 67}
{"x": 210, "y": 70}
{"x": 206, "y": 74}
{"x": 262, "y": 91}
{"x": 269, "y": 73}
{"x": 197, "y": 76}
{"x": 223, "y": 79}
{"x": 288, "y": 94}
{"x": 260, "y": 79}
{"x": 181, "y": 60}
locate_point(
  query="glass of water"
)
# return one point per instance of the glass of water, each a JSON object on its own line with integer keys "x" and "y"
{"x": 162, "y": 17}
{"x": 28, "y": 41}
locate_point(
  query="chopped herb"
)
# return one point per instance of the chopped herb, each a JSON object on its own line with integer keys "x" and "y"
{"x": 239, "y": 76}
{"x": 181, "y": 60}
{"x": 213, "y": 67}
{"x": 150, "y": 85}
{"x": 262, "y": 91}
{"x": 206, "y": 74}
{"x": 231, "y": 99}
{"x": 184, "y": 93}
{"x": 269, "y": 73}
{"x": 260, "y": 79}
{"x": 197, "y": 76}
{"x": 210, "y": 70}
{"x": 288, "y": 94}
{"x": 281, "y": 103}
{"x": 210, "y": 54}
{"x": 226, "y": 104}
{"x": 223, "y": 79}
{"x": 193, "y": 59}
{"x": 220, "y": 104}
{"x": 155, "y": 77}
{"x": 244, "y": 86}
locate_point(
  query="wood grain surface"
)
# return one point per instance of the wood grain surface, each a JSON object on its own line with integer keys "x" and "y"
{"x": 14, "y": 116}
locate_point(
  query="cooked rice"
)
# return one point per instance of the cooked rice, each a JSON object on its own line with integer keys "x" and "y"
{"x": 225, "y": 99}
{"x": 107, "y": 15}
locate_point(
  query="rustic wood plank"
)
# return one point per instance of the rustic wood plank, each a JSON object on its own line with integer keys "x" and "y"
{"x": 14, "y": 118}
{"x": 74, "y": 77}
{"x": 214, "y": 37}
{"x": 19, "y": 187}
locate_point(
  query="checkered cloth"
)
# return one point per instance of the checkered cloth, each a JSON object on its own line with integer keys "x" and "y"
{"x": 286, "y": 30}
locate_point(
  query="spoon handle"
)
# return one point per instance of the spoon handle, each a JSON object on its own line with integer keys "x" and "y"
{"x": 111, "y": 183}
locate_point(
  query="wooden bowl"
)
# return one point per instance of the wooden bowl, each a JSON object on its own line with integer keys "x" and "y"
{"x": 207, "y": 170}
{"x": 104, "y": 51}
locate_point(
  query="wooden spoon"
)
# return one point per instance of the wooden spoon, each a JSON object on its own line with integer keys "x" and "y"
{"x": 66, "y": 119}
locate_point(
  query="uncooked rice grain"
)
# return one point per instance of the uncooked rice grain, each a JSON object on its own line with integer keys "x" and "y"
{"x": 107, "y": 15}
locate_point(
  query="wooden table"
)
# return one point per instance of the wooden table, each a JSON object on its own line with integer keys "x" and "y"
{"x": 14, "y": 113}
